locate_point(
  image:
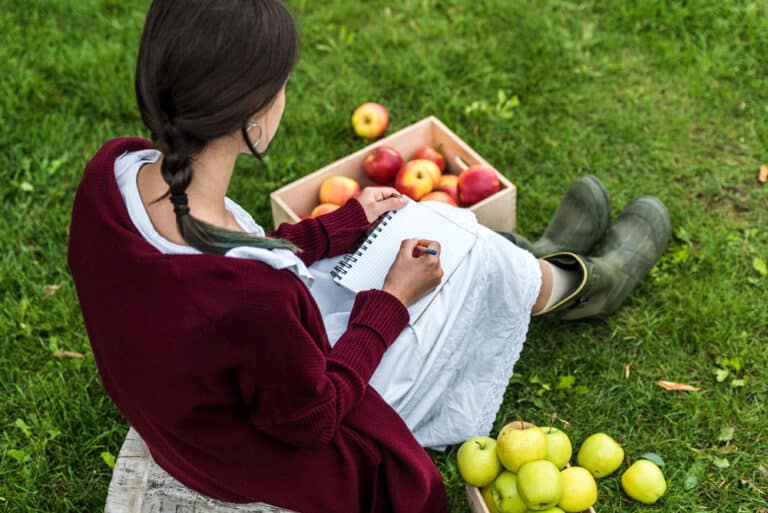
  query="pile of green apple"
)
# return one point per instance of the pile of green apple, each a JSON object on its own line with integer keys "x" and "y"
{"x": 527, "y": 468}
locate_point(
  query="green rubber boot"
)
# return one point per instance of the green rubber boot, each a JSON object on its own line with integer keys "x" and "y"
{"x": 580, "y": 220}
{"x": 621, "y": 259}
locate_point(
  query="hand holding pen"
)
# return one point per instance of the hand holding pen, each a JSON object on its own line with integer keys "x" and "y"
{"x": 415, "y": 271}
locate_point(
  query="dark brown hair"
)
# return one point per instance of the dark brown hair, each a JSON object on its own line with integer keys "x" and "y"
{"x": 204, "y": 69}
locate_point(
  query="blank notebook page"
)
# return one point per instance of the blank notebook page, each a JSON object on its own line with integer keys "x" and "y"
{"x": 368, "y": 266}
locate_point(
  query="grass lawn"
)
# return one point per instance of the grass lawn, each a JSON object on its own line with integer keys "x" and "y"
{"x": 652, "y": 96}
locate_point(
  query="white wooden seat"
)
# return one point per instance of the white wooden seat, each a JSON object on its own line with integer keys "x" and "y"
{"x": 139, "y": 485}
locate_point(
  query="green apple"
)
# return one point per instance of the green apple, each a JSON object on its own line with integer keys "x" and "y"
{"x": 559, "y": 448}
{"x": 517, "y": 446}
{"x": 579, "y": 489}
{"x": 539, "y": 484}
{"x": 600, "y": 454}
{"x": 506, "y": 497}
{"x": 478, "y": 461}
{"x": 552, "y": 510}
{"x": 487, "y": 493}
{"x": 644, "y": 482}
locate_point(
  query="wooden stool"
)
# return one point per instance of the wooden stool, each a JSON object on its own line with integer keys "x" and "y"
{"x": 139, "y": 485}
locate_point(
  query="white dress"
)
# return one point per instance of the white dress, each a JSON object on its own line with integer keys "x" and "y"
{"x": 445, "y": 375}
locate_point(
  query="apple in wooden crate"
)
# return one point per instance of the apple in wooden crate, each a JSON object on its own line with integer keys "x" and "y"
{"x": 323, "y": 208}
{"x": 449, "y": 184}
{"x": 477, "y": 183}
{"x": 579, "y": 490}
{"x": 539, "y": 484}
{"x": 426, "y": 166}
{"x": 440, "y": 196}
{"x": 417, "y": 178}
{"x": 427, "y": 152}
{"x": 382, "y": 164}
{"x": 292, "y": 201}
{"x": 338, "y": 190}
{"x": 477, "y": 461}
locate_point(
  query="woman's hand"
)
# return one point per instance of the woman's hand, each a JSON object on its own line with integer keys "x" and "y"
{"x": 415, "y": 271}
{"x": 378, "y": 200}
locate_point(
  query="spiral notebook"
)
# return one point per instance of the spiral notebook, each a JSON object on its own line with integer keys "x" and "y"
{"x": 367, "y": 267}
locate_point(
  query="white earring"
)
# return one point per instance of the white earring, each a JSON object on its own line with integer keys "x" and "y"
{"x": 251, "y": 126}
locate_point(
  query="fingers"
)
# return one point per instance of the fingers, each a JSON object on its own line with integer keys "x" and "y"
{"x": 387, "y": 192}
{"x": 416, "y": 248}
{"x": 431, "y": 244}
{"x": 421, "y": 245}
{"x": 391, "y": 203}
{"x": 408, "y": 246}
{"x": 377, "y": 193}
{"x": 428, "y": 247}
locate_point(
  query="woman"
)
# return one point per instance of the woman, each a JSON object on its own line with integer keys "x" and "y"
{"x": 248, "y": 373}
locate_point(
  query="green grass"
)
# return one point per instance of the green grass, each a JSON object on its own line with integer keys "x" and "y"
{"x": 666, "y": 98}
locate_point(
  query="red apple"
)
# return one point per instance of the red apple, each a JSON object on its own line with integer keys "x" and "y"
{"x": 382, "y": 164}
{"x": 426, "y": 166}
{"x": 477, "y": 183}
{"x": 449, "y": 184}
{"x": 429, "y": 153}
{"x": 338, "y": 189}
{"x": 440, "y": 196}
{"x": 370, "y": 120}
{"x": 414, "y": 179}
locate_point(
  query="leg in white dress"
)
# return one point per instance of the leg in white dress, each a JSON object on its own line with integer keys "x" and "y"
{"x": 446, "y": 375}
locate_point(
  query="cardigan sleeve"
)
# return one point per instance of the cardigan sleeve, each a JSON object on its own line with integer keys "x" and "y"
{"x": 298, "y": 392}
{"x": 328, "y": 235}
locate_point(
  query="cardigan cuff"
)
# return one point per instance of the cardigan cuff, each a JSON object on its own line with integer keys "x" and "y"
{"x": 376, "y": 320}
{"x": 382, "y": 313}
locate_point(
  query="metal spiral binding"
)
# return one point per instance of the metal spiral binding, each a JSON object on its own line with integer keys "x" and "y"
{"x": 346, "y": 262}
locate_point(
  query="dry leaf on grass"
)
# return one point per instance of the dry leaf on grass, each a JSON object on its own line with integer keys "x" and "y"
{"x": 50, "y": 290}
{"x": 626, "y": 370}
{"x": 762, "y": 174}
{"x": 671, "y": 385}
{"x": 69, "y": 354}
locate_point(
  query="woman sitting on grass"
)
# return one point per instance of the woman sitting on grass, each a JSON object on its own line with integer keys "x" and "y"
{"x": 252, "y": 376}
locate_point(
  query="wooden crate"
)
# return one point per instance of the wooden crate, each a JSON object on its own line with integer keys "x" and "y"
{"x": 497, "y": 212}
{"x": 477, "y": 504}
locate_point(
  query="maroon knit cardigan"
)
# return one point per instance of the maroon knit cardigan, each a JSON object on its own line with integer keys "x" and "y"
{"x": 224, "y": 368}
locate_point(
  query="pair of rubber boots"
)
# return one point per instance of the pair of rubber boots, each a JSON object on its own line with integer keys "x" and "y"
{"x": 612, "y": 258}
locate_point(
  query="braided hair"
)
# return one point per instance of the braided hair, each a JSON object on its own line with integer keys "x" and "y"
{"x": 202, "y": 72}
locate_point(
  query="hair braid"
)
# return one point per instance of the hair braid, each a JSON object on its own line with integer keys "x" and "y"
{"x": 176, "y": 168}
{"x": 189, "y": 95}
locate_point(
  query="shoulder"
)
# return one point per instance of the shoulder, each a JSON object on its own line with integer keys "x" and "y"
{"x": 99, "y": 171}
{"x": 113, "y": 148}
{"x": 97, "y": 189}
